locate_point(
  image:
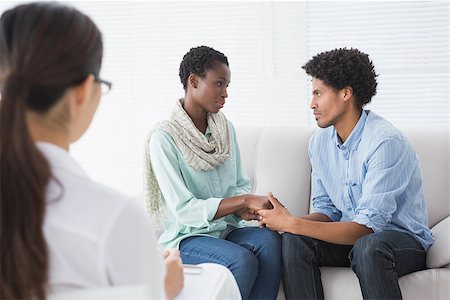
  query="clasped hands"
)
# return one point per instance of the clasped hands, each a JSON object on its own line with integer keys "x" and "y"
{"x": 267, "y": 210}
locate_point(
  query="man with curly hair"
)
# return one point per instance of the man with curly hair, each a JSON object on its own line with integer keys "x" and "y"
{"x": 368, "y": 207}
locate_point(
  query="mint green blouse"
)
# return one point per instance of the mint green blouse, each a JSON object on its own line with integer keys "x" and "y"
{"x": 191, "y": 197}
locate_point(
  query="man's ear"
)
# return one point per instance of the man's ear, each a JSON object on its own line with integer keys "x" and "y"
{"x": 83, "y": 90}
{"x": 347, "y": 93}
{"x": 193, "y": 80}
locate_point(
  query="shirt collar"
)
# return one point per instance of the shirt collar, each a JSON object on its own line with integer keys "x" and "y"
{"x": 59, "y": 158}
{"x": 354, "y": 138}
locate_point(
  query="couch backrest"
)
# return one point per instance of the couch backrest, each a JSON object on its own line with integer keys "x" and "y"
{"x": 276, "y": 159}
{"x": 432, "y": 145}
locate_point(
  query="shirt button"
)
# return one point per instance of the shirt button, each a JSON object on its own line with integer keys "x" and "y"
{"x": 349, "y": 209}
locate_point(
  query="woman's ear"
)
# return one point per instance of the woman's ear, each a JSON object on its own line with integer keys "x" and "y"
{"x": 84, "y": 99}
{"x": 83, "y": 91}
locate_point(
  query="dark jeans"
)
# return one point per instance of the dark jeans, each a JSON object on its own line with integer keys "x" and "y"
{"x": 378, "y": 259}
{"x": 252, "y": 254}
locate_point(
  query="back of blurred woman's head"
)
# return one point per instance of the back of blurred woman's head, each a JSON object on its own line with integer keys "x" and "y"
{"x": 45, "y": 49}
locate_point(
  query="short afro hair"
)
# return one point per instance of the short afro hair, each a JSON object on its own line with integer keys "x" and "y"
{"x": 344, "y": 67}
{"x": 198, "y": 61}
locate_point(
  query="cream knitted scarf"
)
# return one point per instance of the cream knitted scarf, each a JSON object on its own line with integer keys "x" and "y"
{"x": 199, "y": 153}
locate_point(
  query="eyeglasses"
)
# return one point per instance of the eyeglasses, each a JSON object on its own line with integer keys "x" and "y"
{"x": 104, "y": 85}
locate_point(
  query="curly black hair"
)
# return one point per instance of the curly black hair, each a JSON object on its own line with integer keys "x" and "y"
{"x": 198, "y": 61}
{"x": 344, "y": 67}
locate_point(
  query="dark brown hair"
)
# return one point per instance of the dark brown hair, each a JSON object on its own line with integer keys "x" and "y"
{"x": 45, "y": 48}
{"x": 198, "y": 61}
{"x": 340, "y": 68}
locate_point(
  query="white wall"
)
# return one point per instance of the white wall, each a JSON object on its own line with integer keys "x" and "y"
{"x": 144, "y": 44}
{"x": 266, "y": 44}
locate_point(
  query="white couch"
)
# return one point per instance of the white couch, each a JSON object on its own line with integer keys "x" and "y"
{"x": 276, "y": 159}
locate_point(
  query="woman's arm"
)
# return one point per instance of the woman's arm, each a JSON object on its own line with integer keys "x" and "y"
{"x": 182, "y": 203}
{"x": 244, "y": 205}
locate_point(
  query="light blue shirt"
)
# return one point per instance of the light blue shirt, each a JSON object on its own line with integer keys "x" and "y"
{"x": 373, "y": 178}
{"x": 191, "y": 197}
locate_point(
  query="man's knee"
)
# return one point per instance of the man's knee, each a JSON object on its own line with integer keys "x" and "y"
{"x": 290, "y": 240}
{"x": 295, "y": 247}
{"x": 371, "y": 251}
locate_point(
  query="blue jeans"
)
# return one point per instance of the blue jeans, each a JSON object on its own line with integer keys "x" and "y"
{"x": 252, "y": 254}
{"x": 378, "y": 260}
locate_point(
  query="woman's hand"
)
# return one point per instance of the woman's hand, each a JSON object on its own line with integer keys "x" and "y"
{"x": 255, "y": 203}
{"x": 247, "y": 214}
{"x": 278, "y": 218}
{"x": 174, "y": 280}
{"x": 243, "y": 206}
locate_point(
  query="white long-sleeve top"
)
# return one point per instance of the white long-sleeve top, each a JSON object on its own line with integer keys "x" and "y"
{"x": 96, "y": 236}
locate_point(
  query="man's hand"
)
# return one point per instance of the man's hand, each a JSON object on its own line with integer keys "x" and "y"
{"x": 277, "y": 218}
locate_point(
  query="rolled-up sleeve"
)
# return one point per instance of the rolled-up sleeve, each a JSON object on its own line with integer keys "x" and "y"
{"x": 185, "y": 207}
{"x": 389, "y": 170}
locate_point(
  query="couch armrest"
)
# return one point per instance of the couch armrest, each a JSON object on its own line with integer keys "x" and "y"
{"x": 438, "y": 254}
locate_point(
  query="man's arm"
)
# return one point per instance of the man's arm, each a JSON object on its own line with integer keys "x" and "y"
{"x": 315, "y": 225}
{"x": 315, "y": 216}
{"x": 389, "y": 169}
{"x": 342, "y": 233}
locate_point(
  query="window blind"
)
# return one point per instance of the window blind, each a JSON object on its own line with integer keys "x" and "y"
{"x": 266, "y": 44}
{"x": 408, "y": 42}
{"x": 144, "y": 43}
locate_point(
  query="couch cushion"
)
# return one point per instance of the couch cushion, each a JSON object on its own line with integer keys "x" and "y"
{"x": 342, "y": 283}
{"x": 438, "y": 255}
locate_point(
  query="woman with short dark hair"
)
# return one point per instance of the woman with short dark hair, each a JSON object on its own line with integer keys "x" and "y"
{"x": 196, "y": 181}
